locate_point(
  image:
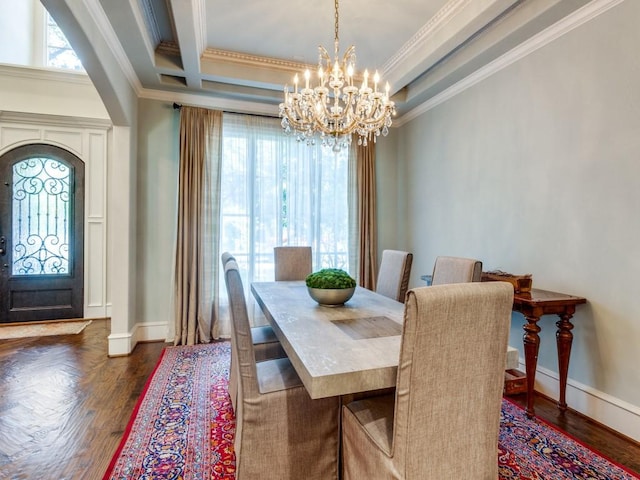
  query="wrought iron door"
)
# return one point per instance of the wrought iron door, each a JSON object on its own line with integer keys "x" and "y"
{"x": 41, "y": 234}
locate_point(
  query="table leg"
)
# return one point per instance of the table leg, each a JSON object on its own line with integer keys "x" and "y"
{"x": 564, "y": 338}
{"x": 531, "y": 342}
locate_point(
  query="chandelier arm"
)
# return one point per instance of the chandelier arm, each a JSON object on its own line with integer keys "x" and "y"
{"x": 324, "y": 55}
{"x": 319, "y": 122}
{"x": 298, "y": 120}
{"x": 349, "y": 55}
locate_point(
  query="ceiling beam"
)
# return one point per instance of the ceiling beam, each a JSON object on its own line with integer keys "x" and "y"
{"x": 190, "y": 27}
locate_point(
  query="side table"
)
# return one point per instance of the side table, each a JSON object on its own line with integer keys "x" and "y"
{"x": 533, "y": 305}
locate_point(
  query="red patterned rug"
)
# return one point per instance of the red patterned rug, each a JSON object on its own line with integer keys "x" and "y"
{"x": 183, "y": 427}
{"x": 535, "y": 450}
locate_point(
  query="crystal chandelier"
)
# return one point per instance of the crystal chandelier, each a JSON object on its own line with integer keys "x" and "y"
{"x": 336, "y": 108}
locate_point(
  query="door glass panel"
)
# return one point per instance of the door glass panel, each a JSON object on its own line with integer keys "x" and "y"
{"x": 41, "y": 217}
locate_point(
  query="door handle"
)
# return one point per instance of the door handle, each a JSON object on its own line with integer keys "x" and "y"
{"x": 3, "y": 245}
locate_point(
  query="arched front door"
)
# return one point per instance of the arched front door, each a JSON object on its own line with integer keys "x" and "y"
{"x": 41, "y": 234}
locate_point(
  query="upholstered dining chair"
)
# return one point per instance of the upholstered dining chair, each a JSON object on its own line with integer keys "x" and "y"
{"x": 393, "y": 276}
{"x": 281, "y": 433}
{"x": 456, "y": 270}
{"x": 443, "y": 419}
{"x": 292, "y": 263}
{"x": 265, "y": 346}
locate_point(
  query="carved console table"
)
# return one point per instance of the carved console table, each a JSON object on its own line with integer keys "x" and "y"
{"x": 533, "y": 305}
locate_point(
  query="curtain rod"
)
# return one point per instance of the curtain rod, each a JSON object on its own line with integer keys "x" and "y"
{"x": 178, "y": 106}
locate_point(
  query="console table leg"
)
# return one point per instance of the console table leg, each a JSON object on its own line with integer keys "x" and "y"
{"x": 564, "y": 338}
{"x": 531, "y": 342}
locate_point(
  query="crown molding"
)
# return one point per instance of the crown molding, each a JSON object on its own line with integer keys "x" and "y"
{"x": 216, "y": 103}
{"x": 550, "y": 34}
{"x": 213, "y": 54}
{"x": 145, "y": 18}
{"x": 54, "y": 120}
{"x": 200, "y": 11}
{"x": 148, "y": 16}
{"x": 168, "y": 48}
{"x": 46, "y": 74}
{"x": 435, "y": 23}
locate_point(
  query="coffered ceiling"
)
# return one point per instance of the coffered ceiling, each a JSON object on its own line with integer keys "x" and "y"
{"x": 247, "y": 50}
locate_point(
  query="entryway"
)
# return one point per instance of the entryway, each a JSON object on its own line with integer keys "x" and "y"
{"x": 41, "y": 234}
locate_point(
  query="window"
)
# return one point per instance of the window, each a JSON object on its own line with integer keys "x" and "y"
{"x": 29, "y": 36}
{"x": 41, "y": 217}
{"x": 276, "y": 191}
{"x": 59, "y": 51}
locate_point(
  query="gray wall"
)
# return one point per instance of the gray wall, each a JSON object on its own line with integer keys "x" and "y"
{"x": 536, "y": 170}
{"x": 157, "y": 176}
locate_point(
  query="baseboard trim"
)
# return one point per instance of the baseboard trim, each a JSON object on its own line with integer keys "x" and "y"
{"x": 151, "y": 332}
{"x": 610, "y": 411}
{"x": 122, "y": 344}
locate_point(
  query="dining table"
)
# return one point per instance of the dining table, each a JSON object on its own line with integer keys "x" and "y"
{"x": 338, "y": 350}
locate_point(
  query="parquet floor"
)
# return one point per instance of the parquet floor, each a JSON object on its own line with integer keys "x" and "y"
{"x": 64, "y": 406}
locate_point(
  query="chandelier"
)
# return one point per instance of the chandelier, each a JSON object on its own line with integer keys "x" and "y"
{"x": 336, "y": 108}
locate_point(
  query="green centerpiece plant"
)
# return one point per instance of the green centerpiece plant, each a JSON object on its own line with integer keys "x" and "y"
{"x": 330, "y": 286}
{"x": 330, "y": 278}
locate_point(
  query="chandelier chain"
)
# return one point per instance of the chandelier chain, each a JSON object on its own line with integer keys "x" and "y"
{"x": 336, "y": 17}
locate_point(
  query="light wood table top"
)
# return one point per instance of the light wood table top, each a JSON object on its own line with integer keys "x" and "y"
{"x": 335, "y": 350}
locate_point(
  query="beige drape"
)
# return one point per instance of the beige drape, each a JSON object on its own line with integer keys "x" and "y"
{"x": 368, "y": 229}
{"x": 196, "y": 267}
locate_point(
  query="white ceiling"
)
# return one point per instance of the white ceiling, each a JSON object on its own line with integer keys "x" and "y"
{"x": 249, "y": 49}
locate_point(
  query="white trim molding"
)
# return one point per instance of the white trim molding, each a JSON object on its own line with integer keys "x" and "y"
{"x": 122, "y": 344}
{"x": 104, "y": 27}
{"x": 86, "y": 138}
{"x": 606, "y": 409}
{"x": 557, "y": 30}
{"x": 54, "y": 120}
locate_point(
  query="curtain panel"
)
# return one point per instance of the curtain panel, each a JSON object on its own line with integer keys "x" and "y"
{"x": 196, "y": 259}
{"x": 367, "y": 211}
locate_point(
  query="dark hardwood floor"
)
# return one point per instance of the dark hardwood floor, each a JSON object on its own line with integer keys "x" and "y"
{"x": 64, "y": 406}
{"x": 609, "y": 443}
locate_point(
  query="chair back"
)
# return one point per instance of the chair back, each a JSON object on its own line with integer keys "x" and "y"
{"x": 393, "y": 276}
{"x": 225, "y": 257}
{"x": 456, "y": 270}
{"x": 450, "y": 380}
{"x": 241, "y": 332}
{"x": 292, "y": 263}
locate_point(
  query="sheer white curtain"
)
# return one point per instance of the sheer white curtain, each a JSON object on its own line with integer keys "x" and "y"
{"x": 276, "y": 191}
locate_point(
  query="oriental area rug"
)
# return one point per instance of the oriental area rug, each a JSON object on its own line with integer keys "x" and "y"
{"x": 183, "y": 427}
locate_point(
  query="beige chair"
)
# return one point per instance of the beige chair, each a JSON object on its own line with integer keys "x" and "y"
{"x": 456, "y": 270}
{"x": 393, "y": 276}
{"x": 281, "y": 433}
{"x": 292, "y": 263}
{"x": 265, "y": 346}
{"x": 444, "y": 418}
{"x": 461, "y": 270}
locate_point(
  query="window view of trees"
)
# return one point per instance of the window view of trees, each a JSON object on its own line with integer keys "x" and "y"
{"x": 59, "y": 52}
{"x": 276, "y": 191}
